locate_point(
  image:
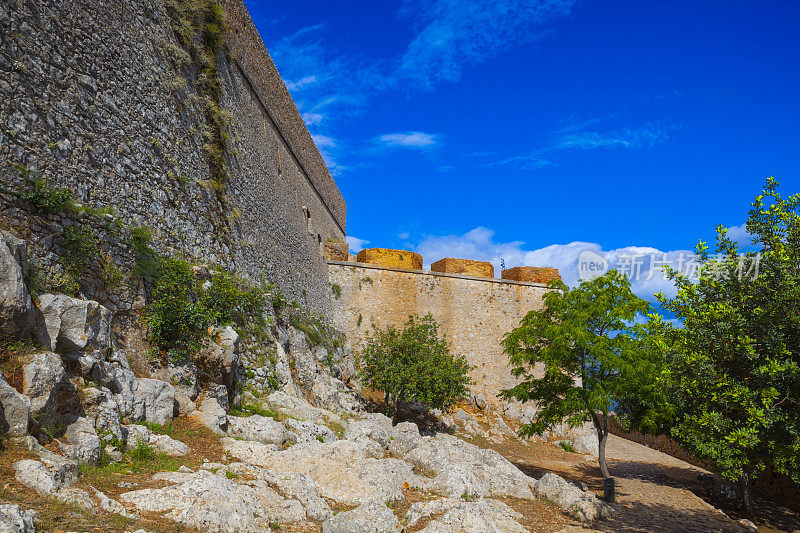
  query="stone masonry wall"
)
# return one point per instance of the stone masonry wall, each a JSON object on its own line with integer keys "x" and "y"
{"x": 473, "y": 312}
{"x": 90, "y": 99}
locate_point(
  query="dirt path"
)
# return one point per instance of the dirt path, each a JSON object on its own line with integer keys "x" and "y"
{"x": 655, "y": 491}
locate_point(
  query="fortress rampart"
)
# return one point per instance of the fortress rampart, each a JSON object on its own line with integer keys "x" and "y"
{"x": 474, "y": 311}
{"x": 96, "y": 97}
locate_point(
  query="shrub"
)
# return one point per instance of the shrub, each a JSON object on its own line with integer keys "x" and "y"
{"x": 44, "y": 196}
{"x": 413, "y": 364}
{"x": 231, "y": 300}
{"x": 80, "y": 245}
{"x": 337, "y": 290}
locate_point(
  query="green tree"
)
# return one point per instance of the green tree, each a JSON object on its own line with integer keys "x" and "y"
{"x": 413, "y": 363}
{"x": 734, "y": 364}
{"x": 579, "y": 355}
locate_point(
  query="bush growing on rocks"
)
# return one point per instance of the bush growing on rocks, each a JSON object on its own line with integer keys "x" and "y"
{"x": 414, "y": 364}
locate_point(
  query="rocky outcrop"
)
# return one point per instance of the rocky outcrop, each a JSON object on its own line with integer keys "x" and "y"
{"x": 372, "y": 516}
{"x": 456, "y": 515}
{"x": 581, "y": 504}
{"x": 81, "y": 442}
{"x": 212, "y": 502}
{"x": 74, "y": 325}
{"x": 16, "y": 410}
{"x": 43, "y": 377}
{"x": 14, "y": 520}
{"x": 153, "y": 401}
{"x": 16, "y": 306}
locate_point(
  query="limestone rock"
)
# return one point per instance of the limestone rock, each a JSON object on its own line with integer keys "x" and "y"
{"x": 16, "y": 305}
{"x": 305, "y": 431}
{"x": 48, "y": 476}
{"x": 15, "y": 520}
{"x": 101, "y": 410}
{"x": 153, "y": 401}
{"x": 260, "y": 429}
{"x": 480, "y": 401}
{"x": 220, "y": 357}
{"x": 341, "y": 469}
{"x": 42, "y": 379}
{"x": 212, "y": 415}
{"x": 73, "y": 324}
{"x": 83, "y": 444}
{"x": 372, "y": 516}
{"x": 168, "y": 445}
{"x": 582, "y": 505}
{"x": 132, "y": 434}
{"x": 406, "y": 438}
{"x": 454, "y": 515}
{"x": 16, "y": 410}
{"x": 110, "y": 506}
{"x": 211, "y": 502}
{"x": 462, "y": 467}
{"x": 586, "y": 443}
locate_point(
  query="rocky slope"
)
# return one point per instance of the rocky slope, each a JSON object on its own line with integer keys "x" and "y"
{"x": 286, "y": 445}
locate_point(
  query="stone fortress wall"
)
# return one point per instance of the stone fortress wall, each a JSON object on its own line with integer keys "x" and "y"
{"x": 474, "y": 309}
{"x": 91, "y": 99}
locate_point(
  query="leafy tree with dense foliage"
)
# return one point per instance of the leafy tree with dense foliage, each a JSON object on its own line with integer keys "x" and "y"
{"x": 413, "y": 363}
{"x": 587, "y": 352}
{"x": 733, "y": 366}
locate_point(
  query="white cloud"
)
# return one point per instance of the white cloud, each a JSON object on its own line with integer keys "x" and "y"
{"x": 356, "y": 244}
{"x": 738, "y": 234}
{"x": 409, "y": 139}
{"x": 405, "y": 235}
{"x": 641, "y": 264}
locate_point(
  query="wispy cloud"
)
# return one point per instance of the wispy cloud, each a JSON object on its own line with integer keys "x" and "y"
{"x": 580, "y": 137}
{"x": 418, "y": 140}
{"x": 458, "y": 33}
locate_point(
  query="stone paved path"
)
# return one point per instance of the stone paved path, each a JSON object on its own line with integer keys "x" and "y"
{"x": 651, "y": 497}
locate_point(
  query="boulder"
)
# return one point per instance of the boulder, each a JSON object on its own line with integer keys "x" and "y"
{"x": 16, "y": 305}
{"x": 220, "y": 357}
{"x": 73, "y": 324}
{"x": 153, "y": 401}
{"x": 459, "y": 515}
{"x": 212, "y": 502}
{"x": 48, "y": 476}
{"x": 372, "y": 516}
{"x": 182, "y": 376}
{"x": 14, "y": 520}
{"x": 462, "y": 467}
{"x": 132, "y": 434}
{"x": 168, "y": 445}
{"x": 82, "y": 443}
{"x": 582, "y": 505}
{"x": 305, "y": 431}
{"x": 341, "y": 469}
{"x": 260, "y": 429}
{"x": 61, "y": 470}
{"x": 212, "y": 415}
{"x": 406, "y": 438}
{"x": 42, "y": 380}
{"x": 587, "y": 443}
{"x": 480, "y": 401}
{"x": 305, "y": 364}
{"x": 16, "y": 410}
{"x": 101, "y": 410}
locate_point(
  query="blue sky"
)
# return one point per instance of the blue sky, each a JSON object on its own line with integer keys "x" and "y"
{"x": 533, "y": 130}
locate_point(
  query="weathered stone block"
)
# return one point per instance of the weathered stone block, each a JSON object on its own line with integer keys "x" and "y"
{"x": 390, "y": 258}
{"x": 337, "y": 251}
{"x": 531, "y": 274}
{"x": 463, "y": 266}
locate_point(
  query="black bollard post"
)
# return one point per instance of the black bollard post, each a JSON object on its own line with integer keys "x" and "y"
{"x": 608, "y": 489}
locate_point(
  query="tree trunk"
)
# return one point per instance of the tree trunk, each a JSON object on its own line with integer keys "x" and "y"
{"x": 602, "y": 437}
{"x": 747, "y": 498}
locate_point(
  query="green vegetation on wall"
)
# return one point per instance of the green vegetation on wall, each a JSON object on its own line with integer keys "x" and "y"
{"x": 200, "y": 28}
